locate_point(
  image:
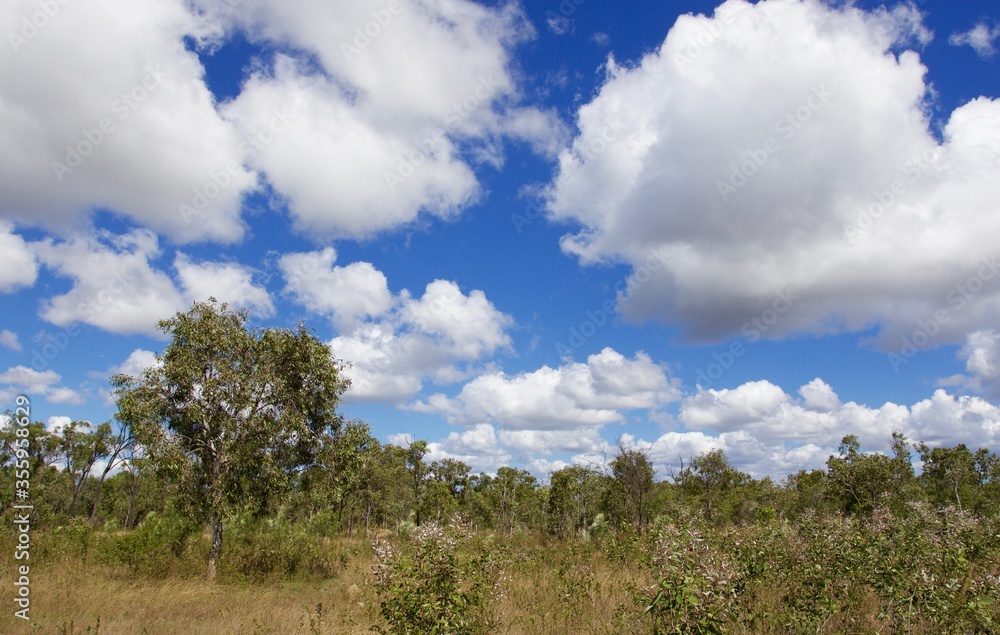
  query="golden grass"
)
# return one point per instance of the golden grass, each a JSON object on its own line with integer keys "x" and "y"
{"x": 550, "y": 590}
{"x": 72, "y": 597}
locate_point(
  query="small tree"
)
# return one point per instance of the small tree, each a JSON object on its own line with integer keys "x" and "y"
{"x": 231, "y": 413}
{"x": 633, "y": 482}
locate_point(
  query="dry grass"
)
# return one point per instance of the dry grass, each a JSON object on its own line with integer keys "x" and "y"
{"x": 73, "y": 597}
{"x": 551, "y": 589}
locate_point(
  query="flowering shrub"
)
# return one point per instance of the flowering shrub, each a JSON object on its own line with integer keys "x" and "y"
{"x": 437, "y": 588}
{"x": 695, "y": 590}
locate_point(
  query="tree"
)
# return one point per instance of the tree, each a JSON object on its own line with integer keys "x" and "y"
{"x": 633, "y": 482}
{"x": 862, "y": 481}
{"x": 574, "y": 496}
{"x": 419, "y": 472}
{"x": 230, "y": 413}
{"x": 715, "y": 481}
{"x": 956, "y": 476}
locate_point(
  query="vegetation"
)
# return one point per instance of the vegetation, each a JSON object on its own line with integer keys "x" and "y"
{"x": 330, "y": 531}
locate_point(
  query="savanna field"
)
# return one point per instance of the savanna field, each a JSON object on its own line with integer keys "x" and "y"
{"x": 863, "y": 547}
{"x": 233, "y": 498}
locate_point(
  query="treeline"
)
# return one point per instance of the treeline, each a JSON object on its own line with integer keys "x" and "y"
{"x": 357, "y": 484}
{"x": 235, "y": 423}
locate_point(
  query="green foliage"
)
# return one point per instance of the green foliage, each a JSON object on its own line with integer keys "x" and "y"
{"x": 696, "y": 584}
{"x": 155, "y": 548}
{"x": 575, "y": 497}
{"x": 232, "y": 414}
{"x": 444, "y": 586}
{"x": 274, "y": 549}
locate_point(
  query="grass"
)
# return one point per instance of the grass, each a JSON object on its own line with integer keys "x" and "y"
{"x": 912, "y": 575}
{"x": 552, "y": 589}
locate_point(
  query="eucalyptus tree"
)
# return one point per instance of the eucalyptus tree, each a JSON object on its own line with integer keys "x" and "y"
{"x": 232, "y": 413}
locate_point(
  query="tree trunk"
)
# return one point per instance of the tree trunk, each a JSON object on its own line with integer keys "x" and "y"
{"x": 213, "y": 555}
{"x": 97, "y": 500}
{"x": 133, "y": 497}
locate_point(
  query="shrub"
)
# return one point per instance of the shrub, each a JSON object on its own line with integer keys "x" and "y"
{"x": 437, "y": 589}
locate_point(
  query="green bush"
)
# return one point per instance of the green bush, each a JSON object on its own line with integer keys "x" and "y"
{"x": 438, "y": 588}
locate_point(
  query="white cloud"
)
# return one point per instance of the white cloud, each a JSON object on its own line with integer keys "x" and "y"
{"x": 467, "y": 325}
{"x": 476, "y": 447}
{"x": 117, "y": 286}
{"x": 56, "y": 424}
{"x": 30, "y": 380}
{"x": 227, "y": 282}
{"x": 384, "y": 123}
{"x": 572, "y": 396}
{"x": 18, "y": 267}
{"x": 747, "y": 158}
{"x": 8, "y": 339}
{"x": 980, "y": 37}
{"x": 544, "y": 442}
{"x": 819, "y": 396}
{"x": 136, "y": 363}
{"x": 348, "y": 293}
{"x": 23, "y": 380}
{"x": 141, "y": 135}
{"x": 981, "y": 354}
{"x": 437, "y": 336}
{"x": 63, "y": 395}
{"x": 763, "y": 430}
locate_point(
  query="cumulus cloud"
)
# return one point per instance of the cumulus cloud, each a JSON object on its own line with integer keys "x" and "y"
{"x": 225, "y": 281}
{"x": 558, "y": 409}
{"x": 142, "y": 137}
{"x": 23, "y": 380}
{"x": 365, "y": 117}
{"x": 390, "y": 106}
{"x": 8, "y": 339}
{"x": 136, "y": 363}
{"x": 476, "y": 447}
{"x": 980, "y": 37}
{"x": 394, "y": 343}
{"x": 753, "y": 162}
{"x": 348, "y": 293}
{"x": 538, "y": 420}
{"x": 118, "y": 287}
{"x": 18, "y": 267}
{"x": 981, "y": 354}
{"x": 766, "y": 431}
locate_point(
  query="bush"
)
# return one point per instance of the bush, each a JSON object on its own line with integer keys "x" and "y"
{"x": 154, "y": 548}
{"x": 275, "y": 549}
{"x": 437, "y": 589}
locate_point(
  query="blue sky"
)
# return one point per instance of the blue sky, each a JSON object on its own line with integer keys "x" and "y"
{"x": 532, "y": 229}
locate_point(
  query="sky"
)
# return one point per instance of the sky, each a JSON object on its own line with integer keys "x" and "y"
{"x": 533, "y": 230}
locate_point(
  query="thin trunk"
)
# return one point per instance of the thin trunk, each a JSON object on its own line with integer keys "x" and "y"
{"x": 133, "y": 496}
{"x": 213, "y": 555}
{"x": 97, "y": 500}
